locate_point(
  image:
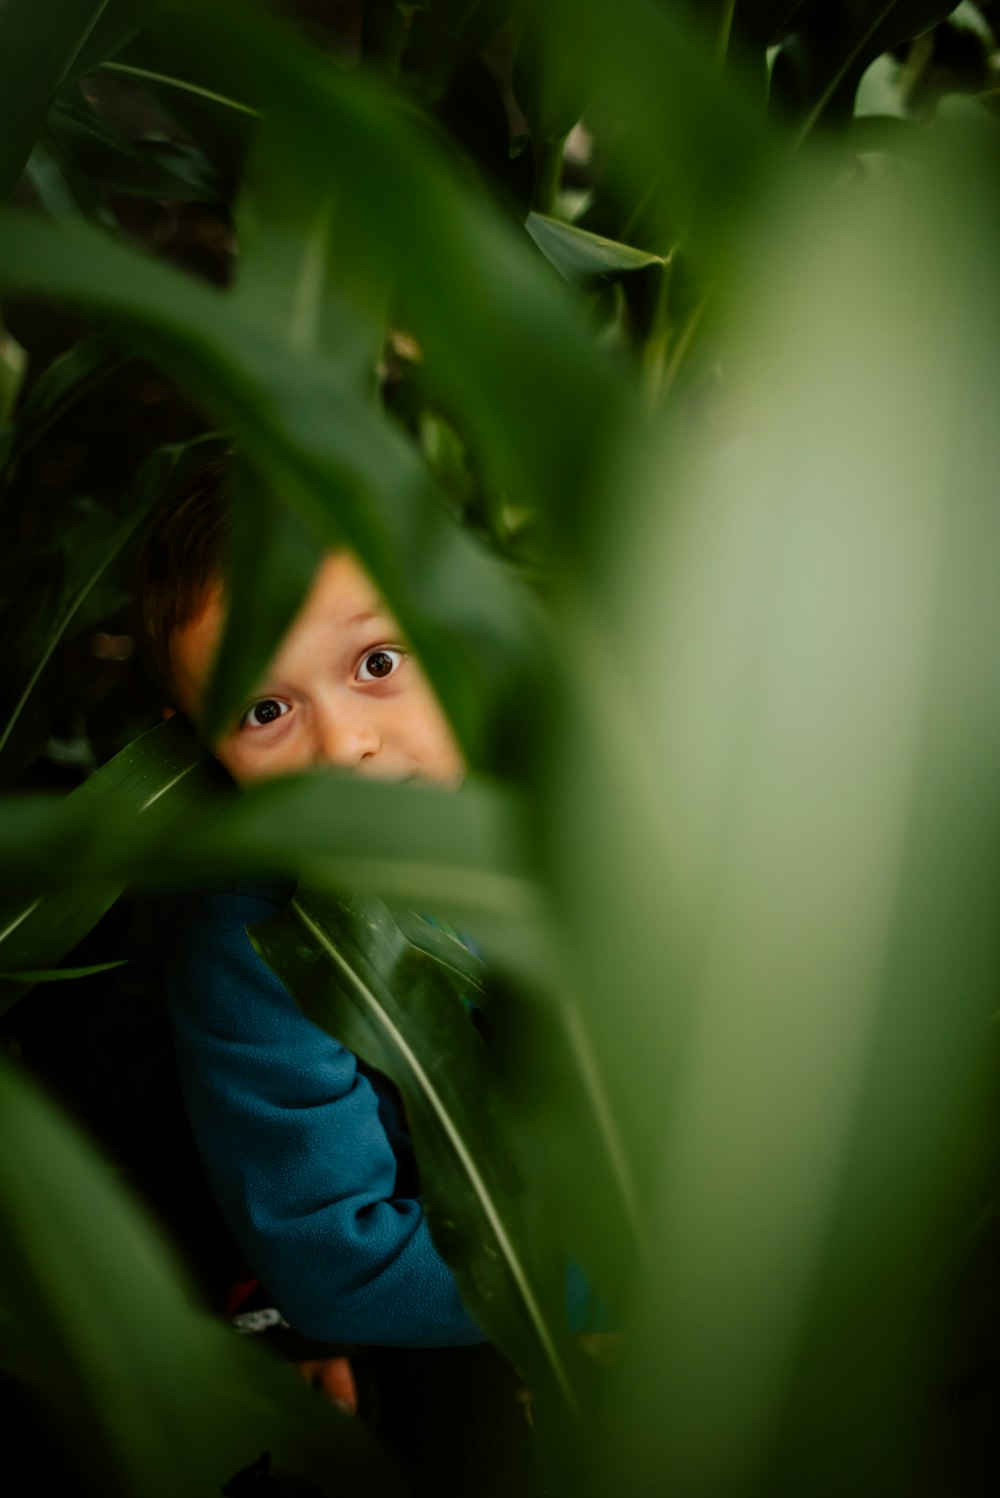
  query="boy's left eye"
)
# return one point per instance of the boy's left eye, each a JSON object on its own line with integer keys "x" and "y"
{"x": 378, "y": 664}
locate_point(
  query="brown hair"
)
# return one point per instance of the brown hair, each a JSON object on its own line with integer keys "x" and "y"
{"x": 183, "y": 552}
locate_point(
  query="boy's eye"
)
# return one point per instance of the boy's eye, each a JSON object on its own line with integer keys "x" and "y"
{"x": 380, "y": 663}
{"x": 263, "y": 712}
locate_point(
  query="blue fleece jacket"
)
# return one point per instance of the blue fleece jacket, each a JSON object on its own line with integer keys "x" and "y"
{"x": 306, "y": 1151}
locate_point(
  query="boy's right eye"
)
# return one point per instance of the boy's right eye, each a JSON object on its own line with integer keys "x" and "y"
{"x": 263, "y": 712}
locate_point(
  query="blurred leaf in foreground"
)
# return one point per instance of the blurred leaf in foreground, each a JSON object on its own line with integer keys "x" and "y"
{"x": 151, "y": 1395}
{"x": 798, "y": 657}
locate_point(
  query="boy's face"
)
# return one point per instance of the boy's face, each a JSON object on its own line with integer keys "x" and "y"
{"x": 341, "y": 690}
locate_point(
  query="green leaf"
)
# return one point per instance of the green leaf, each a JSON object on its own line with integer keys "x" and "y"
{"x": 583, "y": 258}
{"x": 690, "y": 141}
{"x": 821, "y": 64}
{"x": 118, "y": 22}
{"x": 88, "y": 585}
{"x": 304, "y": 265}
{"x": 65, "y": 381}
{"x": 70, "y": 612}
{"x": 273, "y": 564}
{"x": 348, "y": 473}
{"x": 792, "y": 830}
{"x": 63, "y": 191}
{"x": 153, "y": 168}
{"x": 194, "y": 86}
{"x": 13, "y": 363}
{"x": 458, "y": 854}
{"x": 355, "y": 974}
{"x": 38, "y": 51}
{"x": 146, "y": 1393}
{"x": 60, "y": 974}
{"x": 498, "y": 337}
{"x": 164, "y": 766}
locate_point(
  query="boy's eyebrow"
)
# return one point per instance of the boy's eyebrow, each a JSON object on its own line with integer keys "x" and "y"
{"x": 364, "y": 617}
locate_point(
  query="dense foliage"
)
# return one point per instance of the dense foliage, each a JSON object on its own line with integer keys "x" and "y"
{"x": 645, "y": 354}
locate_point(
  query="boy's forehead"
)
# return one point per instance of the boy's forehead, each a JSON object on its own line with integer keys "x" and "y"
{"x": 342, "y": 598}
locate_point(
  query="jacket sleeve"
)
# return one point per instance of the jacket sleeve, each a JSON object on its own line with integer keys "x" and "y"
{"x": 294, "y": 1147}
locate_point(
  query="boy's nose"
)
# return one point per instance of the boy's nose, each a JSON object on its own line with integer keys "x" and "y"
{"x": 345, "y": 736}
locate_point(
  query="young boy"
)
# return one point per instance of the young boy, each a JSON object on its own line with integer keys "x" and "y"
{"x": 306, "y": 1151}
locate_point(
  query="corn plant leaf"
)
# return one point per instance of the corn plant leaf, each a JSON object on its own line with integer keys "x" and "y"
{"x": 456, "y": 854}
{"x": 35, "y": 60}
{"x": 356, "y": 975}
{"x": 273, "y": 562}
{"x": 498, "y": 337}
{"x": 87, "y": 569}
{"x": 152, "y": 1396}
{"x": 807, "y": 807}
{"x": 65, "y": 381}
{"x": 583, "y": 258}
{"x": 84, "y": 564}
{"x": 350, "y": 475}
{"x": 303, "y": 263}
{"x": 820, "y": 66}
{"x": 165, "y": 766}
{"x": 61, "y": 974}
{"x": 653, "y": 70}
{"x": 62, "y": 190}
{"x": 109, "y": 161}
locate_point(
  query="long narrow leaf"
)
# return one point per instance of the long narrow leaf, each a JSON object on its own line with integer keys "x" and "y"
{"x": 37, "y": 52}
{"x": 166, "y": 764}
{"x": 351, "y": 476}
{"x": 150, "y": 1396}
{"x": 355, "y": 974}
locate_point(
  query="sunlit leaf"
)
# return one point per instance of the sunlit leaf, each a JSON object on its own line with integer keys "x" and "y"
{"x": 792, "y": 828}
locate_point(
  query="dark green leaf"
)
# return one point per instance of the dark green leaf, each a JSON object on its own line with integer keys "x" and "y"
{"x": 273, "y": 563}
{"x": 151, "y": 1397}
{"x": 63, "y": 191}
{"x": 583, "y": 258}
{"x": 347, "y": 472}
{"x": 60, "y": 386}
{"x": 60, "y": 974}
{"x": 455, "y": 854}
{"x": 77, "y": 136}
{"x": 820, "y": 66}
{"x": 88, "y": 585}
{"x": 166, "y": 762}
{"x": 355, "y": 974}
{"x": 118, "y": 22}
{"x": 497, "y": 335}
{"x": 304, "y": 264}
{"x": 38, "y": 50}
{"x": 691, "y": 142}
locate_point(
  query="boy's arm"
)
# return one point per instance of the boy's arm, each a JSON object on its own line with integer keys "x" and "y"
{"x": 294, "y": 1147}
